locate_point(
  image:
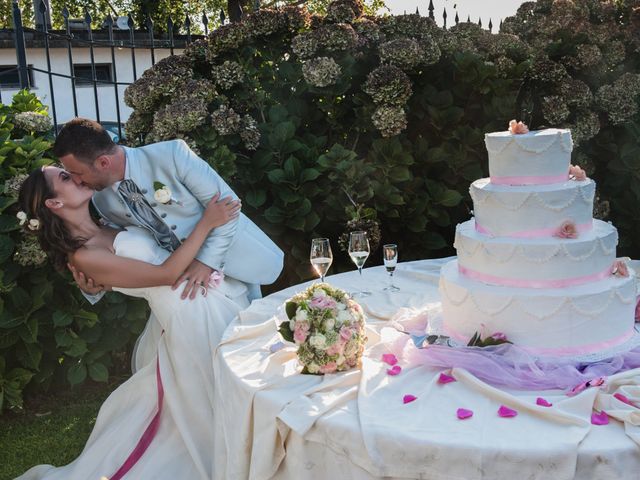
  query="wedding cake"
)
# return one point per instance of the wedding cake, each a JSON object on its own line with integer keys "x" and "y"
{"x": 533, "y": 264}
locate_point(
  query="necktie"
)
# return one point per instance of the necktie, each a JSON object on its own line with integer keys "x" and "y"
{"x": 147, "y": 216}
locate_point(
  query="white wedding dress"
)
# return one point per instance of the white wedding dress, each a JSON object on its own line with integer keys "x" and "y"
{"x": 133, "y": 438}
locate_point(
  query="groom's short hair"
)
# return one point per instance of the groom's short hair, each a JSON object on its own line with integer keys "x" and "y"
{"x": 83, "y": 138}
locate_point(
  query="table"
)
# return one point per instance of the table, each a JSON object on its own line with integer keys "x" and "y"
{"x": 273, "y": 422}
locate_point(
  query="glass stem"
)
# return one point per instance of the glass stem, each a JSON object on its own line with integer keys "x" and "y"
{"x": 391, "y": 279}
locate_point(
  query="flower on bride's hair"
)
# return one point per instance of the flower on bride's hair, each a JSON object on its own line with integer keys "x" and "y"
{"x": 34, "y": 224}
{"x": 577, "y": 173}
{"x": 567, "y": 230}
{"x": 22, "y": 217}
{"x": 517, "y": 128}
{"x": 620, "y": 269}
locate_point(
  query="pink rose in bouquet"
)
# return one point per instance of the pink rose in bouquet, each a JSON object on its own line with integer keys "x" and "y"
{"x": 577, "y": 173}
{"x": 568, "y": 229}
{"x": 517, "y": 128}
{"x": 301, "y": 332}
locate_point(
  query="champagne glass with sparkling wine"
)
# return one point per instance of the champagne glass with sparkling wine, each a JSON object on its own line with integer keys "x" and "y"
{"x": 321, "y": 256}
{"x": 390, "y": 257}
{"x": 359, "y": 252}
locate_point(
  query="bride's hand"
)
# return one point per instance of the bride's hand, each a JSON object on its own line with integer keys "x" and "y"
{"x": 220, "y": 211}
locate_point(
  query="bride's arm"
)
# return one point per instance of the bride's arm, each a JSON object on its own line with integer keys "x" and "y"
{"x": 109, "y": 269}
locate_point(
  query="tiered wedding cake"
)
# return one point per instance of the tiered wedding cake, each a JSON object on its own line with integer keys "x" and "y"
{"x": 533, "y": 263}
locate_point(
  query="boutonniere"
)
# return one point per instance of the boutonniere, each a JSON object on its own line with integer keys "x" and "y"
{"x": 162, "y": 194}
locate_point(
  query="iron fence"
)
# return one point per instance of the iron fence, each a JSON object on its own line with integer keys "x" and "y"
{"x": 106, "y": 37}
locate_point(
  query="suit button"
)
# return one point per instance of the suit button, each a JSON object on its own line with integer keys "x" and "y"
{"x": 173, "y": 227}
{"x": 154, "y": 204}
{"x": 144, "y": 190}
{"x": 182, "y": 239}
{"x": 163, "y": 215}
{"x": 128, "y": 215}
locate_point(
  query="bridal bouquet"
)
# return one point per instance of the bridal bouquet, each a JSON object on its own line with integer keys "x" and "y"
{"x": 328, "y": 327}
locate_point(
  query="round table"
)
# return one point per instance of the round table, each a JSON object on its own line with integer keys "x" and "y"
{"x": 273, "y": 422}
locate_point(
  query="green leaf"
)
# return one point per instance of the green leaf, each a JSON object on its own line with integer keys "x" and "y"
{"x": 29, "y": 330}
{"x": 8, "y": 223}
{"x": 399, "y": 174}
{"x": 309, "y": 174}
{"x": 62, "y": 319}
{"x": 451, "y": 198}
{"x": 90, "y": 318}
{"x": 63, "y": 339}
{"x": 78, "y": 348}
{"x": 6, "y": 247}
{"x": 6, "y": 202}
{"x": 98, "y": 372}
{"x": 77, "y": 373}
{"x": 281, "y": 133}
{"x": 285, "y": 331}
{"x": 256, "y": 198}
{"x": 158, "y": 185}
{"x": 276, "y": 176}
{"x": 290, "y": 309}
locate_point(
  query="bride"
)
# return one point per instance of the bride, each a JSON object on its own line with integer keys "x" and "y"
{"x": 160, "y": 423}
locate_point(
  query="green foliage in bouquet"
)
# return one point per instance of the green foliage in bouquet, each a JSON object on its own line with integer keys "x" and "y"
{"x": 478, "y": 341}
{"x": 328, "y": 328}
{"x": 48, "y": 334}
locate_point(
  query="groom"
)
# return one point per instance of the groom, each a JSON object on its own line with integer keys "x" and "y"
{"x": 164, "y": 187}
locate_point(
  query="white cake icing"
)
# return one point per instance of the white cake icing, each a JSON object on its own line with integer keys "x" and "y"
{"x": 515, "y": 275}
{"x": 543, "y": 260}
{"x": 555, "y": 321}
{"x": 544, "y": 154}
{"x": 503, "y": 210}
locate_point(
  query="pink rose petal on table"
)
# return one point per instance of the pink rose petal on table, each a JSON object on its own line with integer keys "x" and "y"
{"x": 444, "y": 378}
{"x": 389, "y": 358}
{"x": 463, "y": 413}
{"x": 506, "y": 412}
{"x": 623, "y": 399}
{"x": 395, "y": 370}
{"x": 542, "y": 402}
{"x": 408, "y": 399}
{"x": 600, "y": 418}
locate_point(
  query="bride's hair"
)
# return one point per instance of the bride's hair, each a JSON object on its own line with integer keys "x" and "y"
{"x": 53, "y": 235}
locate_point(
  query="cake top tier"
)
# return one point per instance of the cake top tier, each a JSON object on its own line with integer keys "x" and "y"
{"x": 537, "y": 157}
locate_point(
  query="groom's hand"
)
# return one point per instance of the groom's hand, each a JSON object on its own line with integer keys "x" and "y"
{"x": 84, "y": 284}
{"x": 197, "y": 277}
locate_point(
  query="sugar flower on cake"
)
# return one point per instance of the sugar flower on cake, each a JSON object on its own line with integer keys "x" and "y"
{"x": 328, "y": 328}
{"x": 577, "y": 173}
{"x": 517, "y": 128}
{"x": 568, "y": 229}
{"x": 620, "y": 269}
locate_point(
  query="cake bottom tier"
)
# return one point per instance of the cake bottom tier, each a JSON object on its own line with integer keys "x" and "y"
{"x": 564, "y": 321}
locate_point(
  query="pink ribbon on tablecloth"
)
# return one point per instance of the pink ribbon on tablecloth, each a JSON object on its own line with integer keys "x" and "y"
{"x": 530, "y": 180}
{"x": 541, "y": 232}
{"x": 148, "y": 435}
{"x": 558, "y": 351}
{"x": 520, "y": 283}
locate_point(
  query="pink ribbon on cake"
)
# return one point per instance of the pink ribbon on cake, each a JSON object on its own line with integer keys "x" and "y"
{"x": 520, "y": 283}
{"x": 530, "y": 180}
{"x": 541, "y": 232}
{"x": 557, "y": 351}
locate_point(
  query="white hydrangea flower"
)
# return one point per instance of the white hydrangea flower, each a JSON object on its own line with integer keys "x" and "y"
{"x": 34, "y": 224}
{"x": 344, "y": 316}
{"x": 329, "y": 323}
{"x": 301, "y": 315}
{"x": 313, "y": 367}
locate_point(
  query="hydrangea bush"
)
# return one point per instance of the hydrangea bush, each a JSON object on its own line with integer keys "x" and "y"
{"x": 49, "y": 336}
{"x": 307, "y": 115}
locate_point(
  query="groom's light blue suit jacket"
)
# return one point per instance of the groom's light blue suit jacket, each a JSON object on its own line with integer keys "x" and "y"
{"x": 239, "y": 248}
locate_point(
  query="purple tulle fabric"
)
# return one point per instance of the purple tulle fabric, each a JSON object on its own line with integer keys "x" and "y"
{"x": 511, "y": 367}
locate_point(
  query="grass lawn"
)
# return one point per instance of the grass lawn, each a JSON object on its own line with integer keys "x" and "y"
{"x": 52, "y": 429}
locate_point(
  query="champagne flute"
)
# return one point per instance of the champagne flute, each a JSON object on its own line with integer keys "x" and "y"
{"x": 390, "y": 257}
{"x": 321, "y": 257}
{"x": 359, "y": 252}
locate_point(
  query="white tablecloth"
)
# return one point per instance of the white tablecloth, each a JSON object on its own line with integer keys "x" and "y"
{"x": 278, "y": 423}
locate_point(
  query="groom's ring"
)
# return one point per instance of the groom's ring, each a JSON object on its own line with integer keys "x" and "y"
{"x": 201, "y": 284}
